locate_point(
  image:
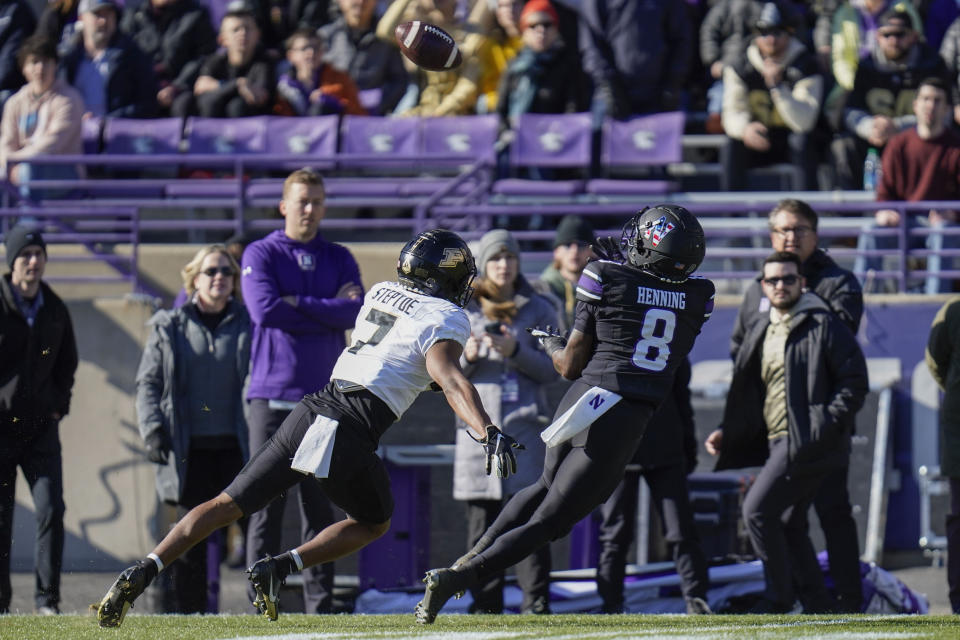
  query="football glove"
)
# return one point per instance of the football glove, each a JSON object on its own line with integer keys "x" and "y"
{"x": 158, "y": 446}
{"x": 608, "y": 248}
{"x": 498, "y": 448}
{"x": 549, "y": 338}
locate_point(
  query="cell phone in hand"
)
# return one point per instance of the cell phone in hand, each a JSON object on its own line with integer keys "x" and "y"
{"x": 492, "y": 328}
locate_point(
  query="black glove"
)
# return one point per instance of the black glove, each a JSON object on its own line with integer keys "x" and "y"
{"x": 608, "y": 248}
{"x": 499, "y": 447}
{"x": 158, "y": 446}
{"x": 549, "y": 338}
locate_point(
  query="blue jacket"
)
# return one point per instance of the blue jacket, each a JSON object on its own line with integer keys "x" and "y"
{"x": 16, "y": 23}
{"x": 295, "y": 347}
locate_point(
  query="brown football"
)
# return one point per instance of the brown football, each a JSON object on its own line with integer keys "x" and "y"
{"x": 428, "y": 46}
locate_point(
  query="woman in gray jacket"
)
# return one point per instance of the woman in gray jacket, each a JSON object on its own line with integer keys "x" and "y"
{"x": 189, "y": 402}
{"x": 509, "y": 369}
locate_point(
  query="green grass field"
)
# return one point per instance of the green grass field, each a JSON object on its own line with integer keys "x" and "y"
{"x": 455, "y": 627}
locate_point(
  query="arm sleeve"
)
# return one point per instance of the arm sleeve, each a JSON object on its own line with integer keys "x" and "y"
{"x": 736, "y": 112}
{"x": 337, "y": 313}
{"x": 149, "y": 383}
{"x": 711, "y": 35}
{"x": 939, "y": 349}
{"x": 679, "y": 35}
{"x": 594, "y": 50}
{"x": 66, "y": 367}
{"x": 800, "y": 107}
{"x": 739, "y": 324}
{"x": 264, "y": 302}
{"x": 64, "y": 126}
{"x": 849, "y": 368}
{"x": 9, "y": 137}
{"x": 886, "y": 188}
{"x": 847, "y": 302}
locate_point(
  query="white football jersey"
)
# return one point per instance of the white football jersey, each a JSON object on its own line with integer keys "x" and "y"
{"x": 395, "y": 329}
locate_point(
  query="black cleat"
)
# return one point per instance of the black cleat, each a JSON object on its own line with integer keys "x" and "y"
{"x": 442, "y": 584}
{"x": 267, "y": 580}
{"x": 121, "y": 595}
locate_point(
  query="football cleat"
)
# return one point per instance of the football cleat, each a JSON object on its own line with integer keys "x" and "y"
{"x": 121, "y": 595}
{"x": 442, "y": 584}
{"x": 698, "y": 606}
{"x": 267, "y": 580}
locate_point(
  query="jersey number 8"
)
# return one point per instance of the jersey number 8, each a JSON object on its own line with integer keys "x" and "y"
{"x": 652, "y": 350}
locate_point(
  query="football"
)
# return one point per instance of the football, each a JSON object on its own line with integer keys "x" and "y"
{"x": 428, "y": 46}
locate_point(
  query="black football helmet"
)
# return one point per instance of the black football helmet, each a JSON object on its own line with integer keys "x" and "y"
{"x": 665, "y": 240}
{"x": 438, "y": 263}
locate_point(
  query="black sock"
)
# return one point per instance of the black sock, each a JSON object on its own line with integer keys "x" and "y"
{"x": 286, "y": 564}
{"x": 150, "y": 568}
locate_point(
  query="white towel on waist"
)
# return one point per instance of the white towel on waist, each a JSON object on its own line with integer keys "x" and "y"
{"x": 316, "y": 449}
{"x": 591, "y": 405}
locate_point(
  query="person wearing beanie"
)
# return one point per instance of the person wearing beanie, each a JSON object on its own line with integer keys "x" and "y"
{"x": 508, "y": 368}
{"x": 571, "y": 252}
{"x": 545, "y": 76}
{"x": 38, "y": 359}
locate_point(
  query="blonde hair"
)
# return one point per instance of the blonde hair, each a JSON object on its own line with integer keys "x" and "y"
{"x": 190, "y": 272}
{"x": 305, "y": 176}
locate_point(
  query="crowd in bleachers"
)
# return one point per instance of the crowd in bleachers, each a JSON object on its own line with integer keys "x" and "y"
{"x": 817, "y": 86}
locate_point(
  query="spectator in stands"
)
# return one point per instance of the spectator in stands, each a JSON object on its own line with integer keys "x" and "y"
{"x": 637, "y": 53}
{"x": 545, "y": 76}
{"x": 190, "y": 403}
{"x": 798, "y": 432}
{"x": 571, "y": 253}
{"x": 726, "y": 31}
{"x": 853, "y": 34}
{"x": 235, "y": 245}
{"x": 351, "y": 45}
{"x": 771, "y": 104}
{"x": 881, "y": 102}
{"x": 38, "y": 359}
{"x": 943, "y": 359}
{"x": 508, "y": 367}
{"x": 60, "y": 22}
{"x": 236, "y": 81}
{"x": 302, "y": 292}
{"x": 793, "y": 228}
{"x": 44, "y": 117}
{"x": 435, "y": 93}
{"x": 950, "y": 52}
{"x": 921, "y": 163}
{"x": 176, "y": 35}
{"x": 109, "y": 70}
{"x": 311, "y": 87}
{"x": 16, "y": 24}
{"x": 500, "y": 23}
{"x": 667, "y": 453}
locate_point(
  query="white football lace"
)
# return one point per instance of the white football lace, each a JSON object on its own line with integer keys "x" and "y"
{"x": 438, "y": 32}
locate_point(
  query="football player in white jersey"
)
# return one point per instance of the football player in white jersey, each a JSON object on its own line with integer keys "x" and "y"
{"x": 409, "y": 336}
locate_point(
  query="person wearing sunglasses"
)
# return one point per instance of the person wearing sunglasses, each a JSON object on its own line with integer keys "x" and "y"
{"x": 793, "y": 228}
{"x": 881, "y": 102}
{"x": 771, "y": 104}
{"x": 798, "y": 432}
{"x": 190, "y": 404}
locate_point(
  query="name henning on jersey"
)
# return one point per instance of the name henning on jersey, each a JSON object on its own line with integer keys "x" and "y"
{"x": 396, "y": 299}
{"x": 661, "y": 298}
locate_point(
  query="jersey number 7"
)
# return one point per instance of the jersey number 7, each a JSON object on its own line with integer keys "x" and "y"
{"x": 375, "y": 328}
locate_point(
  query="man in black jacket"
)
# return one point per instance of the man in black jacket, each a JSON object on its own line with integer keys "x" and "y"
{"x": 111, "y": 72}
{"x": 176, "y": 35}
{"x": 799, "y": 379}
{"x": 38, "y": 358}
{"x": 793, "y": 228}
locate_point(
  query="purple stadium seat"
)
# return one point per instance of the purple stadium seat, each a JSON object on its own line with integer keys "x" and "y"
{"x": 375, "y": 142}
{"x": 131, "y": 136}
{"x": 463, "y": 139}
{"x": 548, "y": 141}
{"x": 227, "y": 135}
{"x": 91, "y": 134}
{"x": 646, "y": 141}
{"x": 313, "y": 136}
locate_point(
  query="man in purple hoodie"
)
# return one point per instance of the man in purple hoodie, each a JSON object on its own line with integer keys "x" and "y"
{"x": 302, "y": 293}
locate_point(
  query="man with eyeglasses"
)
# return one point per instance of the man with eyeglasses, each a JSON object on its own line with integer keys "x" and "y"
{"x": 793, "y": 228}
{"x": 797, "y": 431}
{"x": 302, "y": 293}
{"x": 881, "y": 102}
{"x": 771, "y": 104}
